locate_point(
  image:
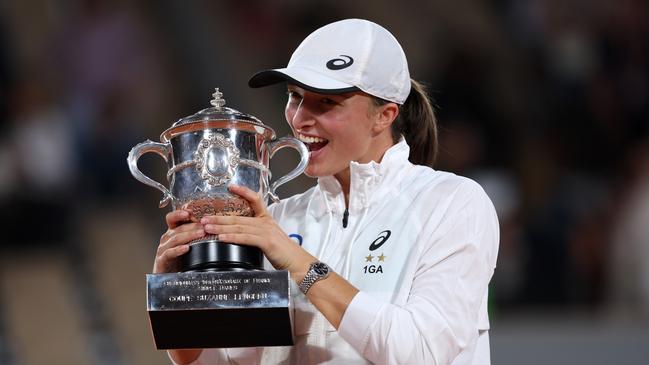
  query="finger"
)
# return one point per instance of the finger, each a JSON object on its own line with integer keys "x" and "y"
{"x": 176, "y": 218}
{"x": 186, "y": 227}
{"x": 233, "y": 228}
{"x": 174, "y": 252}
{"x": 253, "y": 198}
{"x": 242, "y": 239}
{"x": 181, "y": 239}
{"x": 230, "y": 219}
{"x": 167, "y": 258}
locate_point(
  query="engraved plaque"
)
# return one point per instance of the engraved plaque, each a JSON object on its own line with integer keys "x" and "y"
{"x": 220, "y": 309}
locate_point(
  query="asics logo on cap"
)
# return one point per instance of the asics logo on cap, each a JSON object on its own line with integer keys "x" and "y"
{"x": 339, "y": 63}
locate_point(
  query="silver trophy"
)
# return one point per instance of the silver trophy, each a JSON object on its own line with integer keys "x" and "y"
{"x": 222, "y": 297}
{"x": 206, "y": 152}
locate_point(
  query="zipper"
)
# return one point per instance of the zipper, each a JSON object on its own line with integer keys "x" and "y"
{"x": 345, "y": 218}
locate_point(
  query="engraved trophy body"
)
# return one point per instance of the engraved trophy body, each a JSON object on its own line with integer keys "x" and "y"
{"x": 206, "y": 152}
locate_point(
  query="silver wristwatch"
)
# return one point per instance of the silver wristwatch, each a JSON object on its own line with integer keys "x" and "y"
{"x": 317, "y": 271}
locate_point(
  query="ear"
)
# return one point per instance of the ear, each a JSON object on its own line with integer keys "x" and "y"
{"x": 386, "y": 114}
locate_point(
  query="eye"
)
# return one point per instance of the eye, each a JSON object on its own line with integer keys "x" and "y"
{"x": 328, "y": 101}
{"x": 293, "y": 96}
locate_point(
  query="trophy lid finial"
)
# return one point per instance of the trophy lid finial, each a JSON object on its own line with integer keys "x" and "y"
{"x": 217, "y": 112}
{"x": 218, "y": 102}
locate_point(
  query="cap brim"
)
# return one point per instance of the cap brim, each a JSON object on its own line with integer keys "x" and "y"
{"x": 304, "y": 78}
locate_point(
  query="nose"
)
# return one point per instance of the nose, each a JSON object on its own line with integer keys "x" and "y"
{"x": 299, "y": 115}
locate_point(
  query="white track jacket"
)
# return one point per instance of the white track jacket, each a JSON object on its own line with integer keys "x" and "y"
{"x": 421, "y": 247}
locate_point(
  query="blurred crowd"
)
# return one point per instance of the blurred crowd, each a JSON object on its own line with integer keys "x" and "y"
{"x": 544, "y": 102}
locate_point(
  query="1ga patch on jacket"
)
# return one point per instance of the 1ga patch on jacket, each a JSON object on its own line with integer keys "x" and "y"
{"x": 373, "y": 261}
{"x": 385, "y": 250}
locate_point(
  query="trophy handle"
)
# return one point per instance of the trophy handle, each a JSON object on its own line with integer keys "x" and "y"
{"x": 140, "y": 149}
{"x": 277, "y": 145}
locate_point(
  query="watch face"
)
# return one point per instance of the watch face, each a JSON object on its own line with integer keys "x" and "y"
{"x": 320, "y": 268}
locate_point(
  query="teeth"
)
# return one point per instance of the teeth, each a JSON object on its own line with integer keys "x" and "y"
{"x": 309, "y": 139}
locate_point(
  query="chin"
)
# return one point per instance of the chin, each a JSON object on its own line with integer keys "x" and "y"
{"x": 311, "y": 174}
{"x": 314, "y": 172}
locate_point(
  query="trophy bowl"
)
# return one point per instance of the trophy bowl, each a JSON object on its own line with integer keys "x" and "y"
{"x": 206, "y": 152}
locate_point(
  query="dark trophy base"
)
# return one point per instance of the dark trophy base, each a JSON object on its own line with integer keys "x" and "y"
{"x": 223, "y": 298}
{"x": 210, "y": 254}
{"x": 220, "y": 309}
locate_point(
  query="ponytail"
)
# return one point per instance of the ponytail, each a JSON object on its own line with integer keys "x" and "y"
{"x": 417, "y": 123}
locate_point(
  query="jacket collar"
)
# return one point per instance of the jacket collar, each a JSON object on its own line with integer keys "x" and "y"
{"x": 369, "y": 182}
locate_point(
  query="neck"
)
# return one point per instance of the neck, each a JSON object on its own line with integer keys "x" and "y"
{"x": 344, "y": 178}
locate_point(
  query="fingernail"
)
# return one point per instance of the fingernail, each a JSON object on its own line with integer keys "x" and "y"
{"x": 184, "y": 213}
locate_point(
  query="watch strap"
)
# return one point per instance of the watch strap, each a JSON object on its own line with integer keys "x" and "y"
{"x": 317, "y": 271}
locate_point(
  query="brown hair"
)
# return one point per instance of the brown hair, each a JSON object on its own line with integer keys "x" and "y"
{"x": 417, "y": 123}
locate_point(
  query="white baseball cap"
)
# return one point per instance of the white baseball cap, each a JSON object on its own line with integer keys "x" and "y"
{"x": 344, "y": 56}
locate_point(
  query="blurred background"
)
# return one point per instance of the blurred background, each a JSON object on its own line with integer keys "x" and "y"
{"x": 544, "y": 102}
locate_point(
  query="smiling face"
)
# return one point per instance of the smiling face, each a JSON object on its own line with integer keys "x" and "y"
{"x": 338, "y": 129}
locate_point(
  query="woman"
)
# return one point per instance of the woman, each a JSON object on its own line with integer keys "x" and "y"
{"x": 410, "y": 250}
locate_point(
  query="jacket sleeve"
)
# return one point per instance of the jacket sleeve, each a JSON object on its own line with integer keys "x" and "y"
{"x": 440, "y": 318}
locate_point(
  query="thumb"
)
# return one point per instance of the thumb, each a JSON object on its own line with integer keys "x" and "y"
{"x": 253, "y": 198}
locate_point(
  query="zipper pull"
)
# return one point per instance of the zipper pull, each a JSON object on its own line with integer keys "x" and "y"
{"x": 345, "y": 218}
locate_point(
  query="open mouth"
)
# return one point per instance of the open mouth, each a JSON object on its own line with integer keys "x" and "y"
{"x": 312, "y": 143}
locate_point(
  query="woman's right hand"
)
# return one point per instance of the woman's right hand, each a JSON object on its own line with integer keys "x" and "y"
{"x": 174, "y": 242}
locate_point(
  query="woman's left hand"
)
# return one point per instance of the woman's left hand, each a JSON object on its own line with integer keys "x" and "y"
{"x": 260, "y": 231}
